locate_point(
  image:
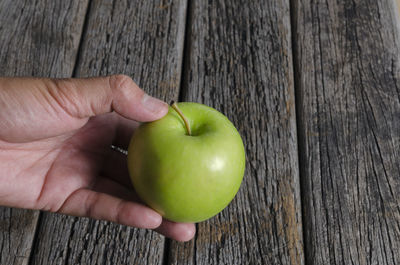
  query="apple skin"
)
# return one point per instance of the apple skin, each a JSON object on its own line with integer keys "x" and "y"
{"x": 187, "y": 178}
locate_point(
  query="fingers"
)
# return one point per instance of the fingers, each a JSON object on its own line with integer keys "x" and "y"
{"x": 88, "y": 97}
{"x": 179, "y": 231}
{"x": 101, "y": 206}
{"x": 113, "y": 202}
{"x": 115, "y": 188}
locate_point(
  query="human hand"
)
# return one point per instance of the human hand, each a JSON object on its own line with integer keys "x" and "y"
{"x": 55, "y": 149}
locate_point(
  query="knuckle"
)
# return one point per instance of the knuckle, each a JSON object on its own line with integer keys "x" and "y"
{"x": 65, "y": 94}
{"x": 118, "y": 212}
{"x": 120, "y": 82}
{"x": 90, "y": 205}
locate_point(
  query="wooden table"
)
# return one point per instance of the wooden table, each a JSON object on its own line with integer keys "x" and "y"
{"x": 313, "y": 87}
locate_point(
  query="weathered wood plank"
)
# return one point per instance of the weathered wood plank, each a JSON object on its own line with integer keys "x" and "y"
{"x": 347, "y": 75}
{"x": 143, "y": 39}
{"x": 37, "y": 38}
{"x": 398, "y": 5}
{"x": 239, "y": 61}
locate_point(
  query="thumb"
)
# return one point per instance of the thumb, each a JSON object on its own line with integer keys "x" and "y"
{"x": 86, "y": 97}
{"x": 38, "y": 108}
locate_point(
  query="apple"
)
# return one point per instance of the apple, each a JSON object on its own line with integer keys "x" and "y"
{"x": 189, "y": 165}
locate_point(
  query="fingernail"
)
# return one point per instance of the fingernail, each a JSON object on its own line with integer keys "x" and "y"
{"x": 154, "y": 105}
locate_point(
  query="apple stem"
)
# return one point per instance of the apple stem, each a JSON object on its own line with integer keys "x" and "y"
{"x": 175, "y": 107}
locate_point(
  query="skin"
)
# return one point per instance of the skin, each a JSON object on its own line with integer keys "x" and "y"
{"x": 55, "y": 155}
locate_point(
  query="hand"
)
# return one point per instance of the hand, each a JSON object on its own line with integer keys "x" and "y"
{"x": 55, "y": 154}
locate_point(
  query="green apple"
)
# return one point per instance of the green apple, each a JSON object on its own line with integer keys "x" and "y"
{"x": 189, "y": 165}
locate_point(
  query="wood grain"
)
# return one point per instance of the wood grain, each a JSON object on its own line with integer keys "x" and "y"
{"x": 238, "y": 60}
{"x": 398, "y": 5}
{"x": 37, "y": 38}
{"x": 143, "y": 39}
{"x": 347, "y": 76}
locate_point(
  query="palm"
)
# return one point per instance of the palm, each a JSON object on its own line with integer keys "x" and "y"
{"x": 58, "y": 167}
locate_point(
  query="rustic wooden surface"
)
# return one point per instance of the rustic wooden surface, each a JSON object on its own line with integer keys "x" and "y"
{"x": 322, "y": 133}
{"x": 37, "y": 38}
{"x": 398, "y": 5}
{"x": 347, "y": 78}
{"x": 143, "y": 40}
{"x": 238, "y": 60}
